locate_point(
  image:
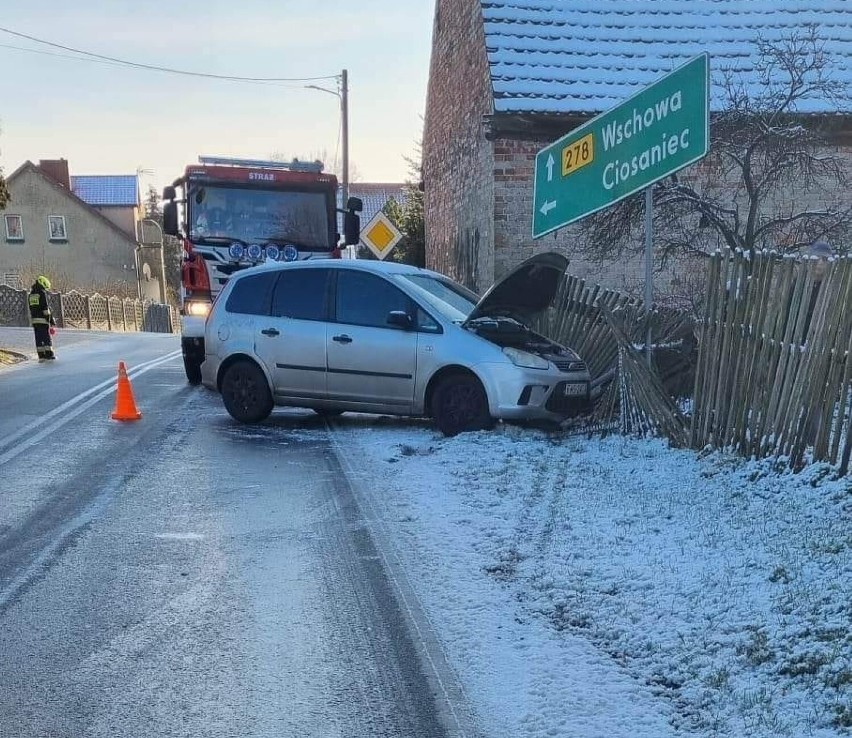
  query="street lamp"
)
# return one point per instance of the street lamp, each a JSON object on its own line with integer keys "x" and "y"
{"x": 343, "y": 94}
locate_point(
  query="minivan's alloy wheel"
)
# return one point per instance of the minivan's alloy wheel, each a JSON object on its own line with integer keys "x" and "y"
{"x": 245, "y": 392}
{"x": 460, "y": 404}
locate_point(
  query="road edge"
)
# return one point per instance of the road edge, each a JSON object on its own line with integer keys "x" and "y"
{"x": 451, "y": 699}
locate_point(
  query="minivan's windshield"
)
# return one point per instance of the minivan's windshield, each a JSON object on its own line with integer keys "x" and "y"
{"x": 451, "y": 300}
{"x": 252, "y": 215}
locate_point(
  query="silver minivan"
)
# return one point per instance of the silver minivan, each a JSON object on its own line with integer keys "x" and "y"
{"x": 377, "y": 337}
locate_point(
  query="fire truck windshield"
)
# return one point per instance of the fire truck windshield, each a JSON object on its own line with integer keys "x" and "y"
{"x": 252, "y": 215}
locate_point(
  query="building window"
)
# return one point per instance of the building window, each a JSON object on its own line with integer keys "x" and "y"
{"x": 14, "y": 228}
{"x": 13, "y": 280}
{"x": 56, "y": 227}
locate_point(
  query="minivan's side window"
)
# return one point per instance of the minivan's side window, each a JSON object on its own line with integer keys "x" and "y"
{"x": 252, "y": 295}
{"x": 300, "y": 294}
{"x": 365, "y": 299}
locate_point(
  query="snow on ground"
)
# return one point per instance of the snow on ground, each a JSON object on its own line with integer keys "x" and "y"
{"x": 615, "y": 587}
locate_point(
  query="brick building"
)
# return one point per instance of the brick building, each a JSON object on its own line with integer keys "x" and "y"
{"x": 508, "y": 77}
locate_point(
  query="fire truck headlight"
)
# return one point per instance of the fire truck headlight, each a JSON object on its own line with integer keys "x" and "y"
{"x": 272, "y": 252}
{"x": 198, "y": 309}
{"x": 291, "y": 253}
{"x": 255, "y": 252}
{"x": 236, "y": 251}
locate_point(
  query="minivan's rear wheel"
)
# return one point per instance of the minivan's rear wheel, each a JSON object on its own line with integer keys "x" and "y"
{"x": 246, "y": 393}
{"x": 460, "y": 404}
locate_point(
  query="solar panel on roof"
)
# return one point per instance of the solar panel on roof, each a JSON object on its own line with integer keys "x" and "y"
{"x": 101, "y": 190}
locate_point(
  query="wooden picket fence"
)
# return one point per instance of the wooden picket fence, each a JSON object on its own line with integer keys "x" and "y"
{"x": 607, "y": 328}
{"x": 579, "y": 321}
{"x": 774, "y": 371}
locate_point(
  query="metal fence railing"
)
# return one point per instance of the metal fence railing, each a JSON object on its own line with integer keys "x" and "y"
{"x": 91, "y": 312}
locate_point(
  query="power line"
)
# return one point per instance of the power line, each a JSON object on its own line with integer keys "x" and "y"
{"x": 155, "y": 68}
{"x": 87, "y": 60}
{"x": 56, "y": 55}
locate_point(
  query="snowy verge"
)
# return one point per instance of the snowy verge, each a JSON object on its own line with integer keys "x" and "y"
{"x": 616, "y": 587}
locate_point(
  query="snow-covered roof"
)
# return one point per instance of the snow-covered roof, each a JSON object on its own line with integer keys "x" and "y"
{"x": 585, "y": 56}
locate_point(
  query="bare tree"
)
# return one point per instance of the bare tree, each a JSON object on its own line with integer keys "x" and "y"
{"x": 172, "y": 247}
{"x": 331, "y": 165}
{"x": 769, "y": 159}
{"x": 4, "y": 192}
{"x": 5, "y": 195}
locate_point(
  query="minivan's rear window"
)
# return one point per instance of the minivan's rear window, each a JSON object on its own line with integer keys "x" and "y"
{"x": 252, "y": 295}
{"x": 300, "y": 294}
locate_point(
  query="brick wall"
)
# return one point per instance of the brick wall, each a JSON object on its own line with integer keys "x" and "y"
{"x": 514, "y": 162}
{"x": 457, "y": 159}
{"x": 681, "y": 278}
{"x": 478, "y": 192}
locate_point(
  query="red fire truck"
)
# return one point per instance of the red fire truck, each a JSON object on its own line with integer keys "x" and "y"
{"x": 236, "y": 213}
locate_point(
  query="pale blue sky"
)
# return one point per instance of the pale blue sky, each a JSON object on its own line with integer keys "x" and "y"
{"x": 107, "y": 119}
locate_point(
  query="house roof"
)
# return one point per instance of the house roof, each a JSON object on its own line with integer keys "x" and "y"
{"x": 586, "y": 56}
{"x": 28, "y": 166}
{"x": 99, "y": 190}
{"x": 374, "y": 197}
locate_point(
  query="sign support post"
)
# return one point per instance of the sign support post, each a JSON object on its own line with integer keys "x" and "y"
{"x": 649, "y": 267}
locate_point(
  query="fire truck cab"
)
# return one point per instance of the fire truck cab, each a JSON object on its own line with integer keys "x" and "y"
{"x": 232, "y": 214}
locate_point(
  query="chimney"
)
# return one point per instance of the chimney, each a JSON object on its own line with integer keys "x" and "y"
{"x": 56, "y": 169}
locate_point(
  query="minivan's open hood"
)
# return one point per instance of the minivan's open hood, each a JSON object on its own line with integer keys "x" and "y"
{"x": 526, "y": 291}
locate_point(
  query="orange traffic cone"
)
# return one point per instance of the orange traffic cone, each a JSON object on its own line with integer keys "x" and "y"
{"x": 125, "y": 405}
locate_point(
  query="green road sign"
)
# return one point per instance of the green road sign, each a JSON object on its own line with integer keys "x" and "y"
{"x": 659, "y": 130}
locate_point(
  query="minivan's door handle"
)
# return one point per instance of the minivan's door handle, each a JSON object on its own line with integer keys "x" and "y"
{"x": 270, "y": 332}
{"x": 342, "y": 338}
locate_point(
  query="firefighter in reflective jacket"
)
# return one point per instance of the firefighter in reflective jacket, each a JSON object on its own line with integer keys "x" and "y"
{"x": 41, "y": 319}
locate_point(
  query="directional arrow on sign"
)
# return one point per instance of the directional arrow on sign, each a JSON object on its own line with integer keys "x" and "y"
{"x": 661, "y": 129}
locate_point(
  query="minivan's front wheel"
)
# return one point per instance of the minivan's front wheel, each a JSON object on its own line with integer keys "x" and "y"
{"x": 460, "y": 404}
{"x": 246, "y": 393}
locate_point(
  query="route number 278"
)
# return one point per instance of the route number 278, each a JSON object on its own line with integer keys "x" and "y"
{"x": 577, "y": 154}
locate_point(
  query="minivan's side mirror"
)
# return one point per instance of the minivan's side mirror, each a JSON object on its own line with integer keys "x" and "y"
{"x": 400, "y": 319}
{"x": 351, "y": 228}
{"x": 170, "y": 218}
{"x": 169, "y": 193}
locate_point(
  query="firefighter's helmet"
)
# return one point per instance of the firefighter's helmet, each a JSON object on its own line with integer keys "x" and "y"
{"x": 43, "y": 281}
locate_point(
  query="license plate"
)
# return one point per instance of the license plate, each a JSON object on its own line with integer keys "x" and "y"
{"x": 574, "y": 389}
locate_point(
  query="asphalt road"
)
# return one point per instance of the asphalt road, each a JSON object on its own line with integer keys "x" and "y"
{"x": 185, "y": 576}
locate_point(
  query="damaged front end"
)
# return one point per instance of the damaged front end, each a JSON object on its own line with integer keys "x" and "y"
{"x": 558, "y": 381}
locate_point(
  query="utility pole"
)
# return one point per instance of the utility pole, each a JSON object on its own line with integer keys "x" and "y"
{"x": 344, "y": 114}
{"x": 343, "y": 94}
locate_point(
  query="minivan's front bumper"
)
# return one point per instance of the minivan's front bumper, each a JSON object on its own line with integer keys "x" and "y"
{"x": 517, "y": 393}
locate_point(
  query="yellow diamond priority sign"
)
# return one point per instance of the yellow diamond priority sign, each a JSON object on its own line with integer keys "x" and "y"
{"x": 380, "y": 235}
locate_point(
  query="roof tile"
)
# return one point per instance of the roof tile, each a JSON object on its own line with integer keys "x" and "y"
{"x": 374, "y": 197}
{"x": 585, "y": 56}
